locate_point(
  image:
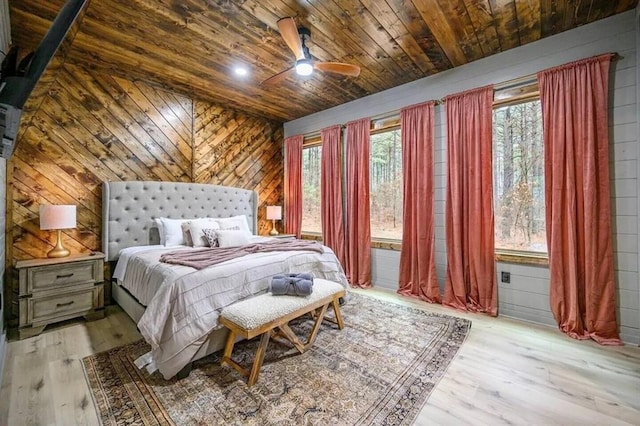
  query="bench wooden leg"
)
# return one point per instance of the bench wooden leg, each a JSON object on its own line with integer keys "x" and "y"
{"x": 287, "y": 333}
{"x": 257, "y": 362}
{"x": 319, "y": 315}
{"x": 337, "y": 313}
{"x": 228, "y": 348}
{"x": 316, "y": 327}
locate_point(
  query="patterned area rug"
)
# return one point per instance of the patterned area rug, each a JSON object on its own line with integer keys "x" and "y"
{"x": 379, "y": 370}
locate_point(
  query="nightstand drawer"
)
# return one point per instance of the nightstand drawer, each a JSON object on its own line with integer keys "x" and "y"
{"x": 58, "y": 289}
{"x": 69, "y": 304}
{"x": 54, "y": 276}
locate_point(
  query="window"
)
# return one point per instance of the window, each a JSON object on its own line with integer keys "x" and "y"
{"x": 518, "y": 177}
{"x": 386, "y": 184}
{"x": 311, "y": 222}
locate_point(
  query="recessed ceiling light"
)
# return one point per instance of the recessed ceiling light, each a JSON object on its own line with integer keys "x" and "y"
{"x": 241, "y": 71}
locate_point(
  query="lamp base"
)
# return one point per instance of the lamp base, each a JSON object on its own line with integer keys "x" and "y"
{"x": 273, "y": 231}
{"x": 58, "y": 250}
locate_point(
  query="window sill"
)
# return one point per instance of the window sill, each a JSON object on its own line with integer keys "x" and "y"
{"x": 311, "y": 236}
{"x": 386, "y": 243}
{"x": 381, "y": 243}
{"x": 522, "y": 257}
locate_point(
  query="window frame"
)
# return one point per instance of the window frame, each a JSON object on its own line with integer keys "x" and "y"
{"x": 513, "y": 95}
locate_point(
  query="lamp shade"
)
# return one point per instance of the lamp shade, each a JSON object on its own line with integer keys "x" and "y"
{"x": 57, "y": 216}
{"x": 274, "y": 212}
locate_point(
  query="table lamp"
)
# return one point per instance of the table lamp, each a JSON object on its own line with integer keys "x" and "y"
{"x": 274, "y": 213}
{"x": 57, "y": 217}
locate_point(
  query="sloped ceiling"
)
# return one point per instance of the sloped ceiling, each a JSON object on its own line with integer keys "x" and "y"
{"x": 192, "y": 46}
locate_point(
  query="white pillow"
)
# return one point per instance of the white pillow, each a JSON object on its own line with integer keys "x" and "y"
{"x": 229, "y": 222}
{"x": 160, "y": 229}
{"x": 196, "y": 228}
{"x": 172, "y": 230}
{"x": 232, "y": 238}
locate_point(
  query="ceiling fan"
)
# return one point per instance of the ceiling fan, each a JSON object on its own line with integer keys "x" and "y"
{"x": 296, "y": 40}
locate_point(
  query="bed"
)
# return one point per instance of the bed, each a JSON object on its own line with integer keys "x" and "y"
{"x": 180, "y": 324}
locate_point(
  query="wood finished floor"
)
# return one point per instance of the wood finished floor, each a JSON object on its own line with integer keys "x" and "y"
{"x": 507, "y": 372}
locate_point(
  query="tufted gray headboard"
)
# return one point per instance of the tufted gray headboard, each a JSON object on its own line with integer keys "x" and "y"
{"x": 128, "y": 209}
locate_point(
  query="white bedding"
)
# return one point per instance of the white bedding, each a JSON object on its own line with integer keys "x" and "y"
{"x": 183, "y": 303}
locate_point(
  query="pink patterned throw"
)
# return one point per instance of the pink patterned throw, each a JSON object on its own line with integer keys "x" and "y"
{"x": 200, "y": 259}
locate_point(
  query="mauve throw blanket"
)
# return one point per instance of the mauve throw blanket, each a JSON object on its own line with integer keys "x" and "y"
{"x": 213, "y": 255}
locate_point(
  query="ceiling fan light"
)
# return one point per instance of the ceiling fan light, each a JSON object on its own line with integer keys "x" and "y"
{"x": 304, "y": 67}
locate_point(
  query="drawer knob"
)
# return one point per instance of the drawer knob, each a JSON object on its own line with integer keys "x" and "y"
{"x": 64, "y": 276}
{"x": 61, "y": 305}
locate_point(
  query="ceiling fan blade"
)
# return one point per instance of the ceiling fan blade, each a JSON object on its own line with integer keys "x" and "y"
{"x": 338, "y": 68}
{"x": 278, "y": 77}
{"x": 289, "y": 32}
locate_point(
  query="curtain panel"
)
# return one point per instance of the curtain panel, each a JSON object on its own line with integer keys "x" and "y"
{"x": 358, "y": 235}
{"x": 331, "y": 211}
{"x": 578, "y": 212}
{"x": 417, "y": 258}
{"x": 470, "y": 282}
{"x": 293, "y": 185}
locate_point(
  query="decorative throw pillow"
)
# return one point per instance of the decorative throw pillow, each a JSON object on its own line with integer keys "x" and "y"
{"x": 211, "y": 234}
{"x": 186, "y": 234}
{"x": 232, "y": 238}
{"x": 196, "y": 228}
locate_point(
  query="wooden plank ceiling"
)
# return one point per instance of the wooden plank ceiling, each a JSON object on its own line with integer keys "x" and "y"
{"x": 192, "y": 46}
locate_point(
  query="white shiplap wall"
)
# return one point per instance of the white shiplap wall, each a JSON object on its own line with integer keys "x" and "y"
{"x": 526, "y": 297}
{"x": 5, "y": 41}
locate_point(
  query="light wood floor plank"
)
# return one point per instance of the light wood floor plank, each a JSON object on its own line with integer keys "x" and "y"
{"x": 508, "y": 372}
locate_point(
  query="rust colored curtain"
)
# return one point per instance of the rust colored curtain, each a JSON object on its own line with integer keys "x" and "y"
{"x": 470, "y": 282}
{"x": 578, "y": 211}
{"x": 358, "y": 239}
{"x": 331, "y": 212}
{"x": 293, "y": 185}
{"x": 417, "y": 258}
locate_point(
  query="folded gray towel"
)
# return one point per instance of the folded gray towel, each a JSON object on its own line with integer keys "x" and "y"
{"x": 291, "y": 284}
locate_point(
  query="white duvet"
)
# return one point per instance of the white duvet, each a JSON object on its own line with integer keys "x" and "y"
{"x": 183, "y": 304}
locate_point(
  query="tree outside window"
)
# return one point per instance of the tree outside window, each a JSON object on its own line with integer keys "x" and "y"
{"x": 386, "y": 185}
{"x": 311, "y": 222}
{"x": 518, "y": 177}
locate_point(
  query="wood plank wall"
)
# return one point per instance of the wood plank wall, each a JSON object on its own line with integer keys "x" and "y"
{"x": 235, "y": 149}
{"x": 93, "y": 127}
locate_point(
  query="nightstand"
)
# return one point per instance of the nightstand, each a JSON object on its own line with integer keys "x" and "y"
{"x": 52, "y": 290}
{"x": 284, "y": 236}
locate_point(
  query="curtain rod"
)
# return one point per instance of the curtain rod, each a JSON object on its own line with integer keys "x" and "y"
{"x": 382, "y": 116}
{"x": 520, "y": 81}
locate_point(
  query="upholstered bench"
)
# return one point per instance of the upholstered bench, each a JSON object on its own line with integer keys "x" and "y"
{"x": 269, "y": 315}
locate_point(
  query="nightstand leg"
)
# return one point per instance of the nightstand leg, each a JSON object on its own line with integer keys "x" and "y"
{"x": 95, "y": 315}
{"x": 26, "y": 332}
